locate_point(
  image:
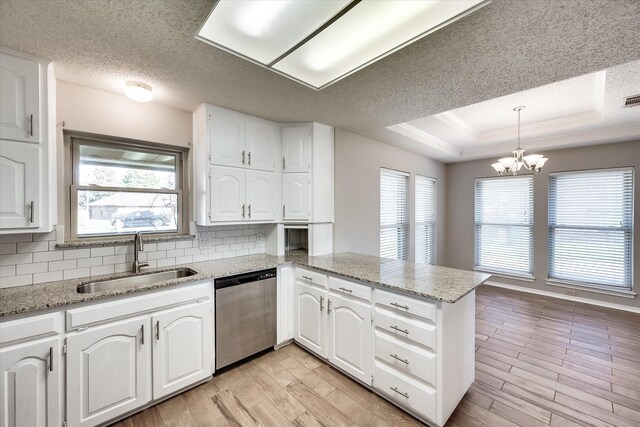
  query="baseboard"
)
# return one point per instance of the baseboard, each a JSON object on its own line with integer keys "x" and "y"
{"x": 566, "y": 297}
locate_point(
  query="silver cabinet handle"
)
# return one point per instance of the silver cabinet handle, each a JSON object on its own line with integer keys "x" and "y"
{"x": 50, "y": 359}
{"x": 243, "y": 206}
{"x": 158, "y": 330}
{"x": 321, "y": 304}
{"x": 32, "y": 209}
{"x": 404, "y": 331}
{"x": 249, "y": 156}
{"x": 395, "y": 356}
{"x": 284, "y": 211}
{"x": 308, "y": 278}
{"x": 142, "y": 334}
{"x": 406, "y": 307}
{"x": 243, "y": 156}
{"x": 346, "y": 290}
{"x": 31, "y": 125}
{"x": 399, "y": 392}
{"x": 328, "y": 306}
{"x": 249, "y": 205}
{"x": 283, "y": 163}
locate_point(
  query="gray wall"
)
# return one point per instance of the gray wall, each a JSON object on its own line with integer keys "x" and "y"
{"x": 357, "y": 191}
{"x": 459, "y": 251}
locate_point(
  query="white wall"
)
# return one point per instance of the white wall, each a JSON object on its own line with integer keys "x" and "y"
{"x": 357, "y": 191}
{"x": 460, "y": 209}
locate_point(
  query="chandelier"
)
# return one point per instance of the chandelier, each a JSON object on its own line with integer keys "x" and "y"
{"x": 532, "y": 162}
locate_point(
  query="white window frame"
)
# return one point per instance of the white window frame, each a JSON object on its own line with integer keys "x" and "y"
{"x": 497, "y": 270}
{"x": 626, "y": 228}
{"x": 404, "y": 225}
{"x": 430, "y": 223}
{"x": 73, "y": 139}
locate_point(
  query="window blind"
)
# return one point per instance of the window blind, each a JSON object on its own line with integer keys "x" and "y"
{"x": 590, "y": 227}
{"x": 504, "y": 224}
{"x": 393, "y": 214}
{"x": 425, "y": 219}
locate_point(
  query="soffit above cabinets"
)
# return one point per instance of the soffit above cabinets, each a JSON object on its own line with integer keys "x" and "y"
{"x": 319, "y": 42}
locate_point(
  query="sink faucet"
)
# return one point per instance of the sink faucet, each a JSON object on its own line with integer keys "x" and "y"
{"x": 137, "y": 247}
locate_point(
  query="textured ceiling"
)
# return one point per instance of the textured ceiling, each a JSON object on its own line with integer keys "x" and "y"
{"x": 506, "y": 47}
{"x": 584, "y": 110}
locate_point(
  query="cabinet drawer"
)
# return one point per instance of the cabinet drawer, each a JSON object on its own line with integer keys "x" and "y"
{"x": 349, "y": 288}
{"x": 402, "y": 326}
{"x": 311, "y": 277}
{"x": 405, "y": 357}
{"x": 30, "y": 328}
{"x": 404, "y": 390}
{"x": 406, "y": 305}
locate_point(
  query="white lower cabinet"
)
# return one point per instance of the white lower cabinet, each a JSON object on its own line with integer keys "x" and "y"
{"x": 30, "y": 384}
{"x": 108, "y": 371}
{"x": 349, "y": 336}
{"x": 182, "y": 347}
{"x": 310, "y": 317}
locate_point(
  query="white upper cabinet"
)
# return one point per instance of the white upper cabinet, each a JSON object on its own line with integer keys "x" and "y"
{"x": 20, "y": 101}
{"x": 349, "y": 336}
{"x": 182, "y": 347}
{"x": 296, "y": 197}
{"x": 261, "y": 144}
{"x": 262, "y": 195}
{"x": 30, "y": 384}
{"x": 227, "y": 138}
{"x": 107, "y": 371}
{"x": 227, "y": 194}
{"x": 27, "y": 144}
{"x": 296, "y": 148}
{"x": 19, "y": 185}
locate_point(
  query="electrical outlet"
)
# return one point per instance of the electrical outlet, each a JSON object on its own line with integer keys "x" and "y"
{"x": 571, "y": 293}
{"x": 260, "y": 237}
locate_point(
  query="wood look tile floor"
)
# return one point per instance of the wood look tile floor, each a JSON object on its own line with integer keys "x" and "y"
{"x": 539, "y": 362}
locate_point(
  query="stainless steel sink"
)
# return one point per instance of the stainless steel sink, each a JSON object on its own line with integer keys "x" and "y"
{"x": 136, "y": 281}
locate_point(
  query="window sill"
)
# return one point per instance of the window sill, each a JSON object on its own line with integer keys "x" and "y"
{"x": 624, "y": 293}
{"x": 128, "y": 241}
{"x": 522, "y": 277}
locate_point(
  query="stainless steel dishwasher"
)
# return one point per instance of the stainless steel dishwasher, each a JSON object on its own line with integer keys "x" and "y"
{"x": 246, "y": 311}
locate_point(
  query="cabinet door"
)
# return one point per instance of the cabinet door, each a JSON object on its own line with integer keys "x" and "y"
{"x": 108, "y": 371}
{"x": 295, "y": 196}
{"x": 310, "y": 324}
{"x": 226, "y": 138}
{"x": 226, "y": 194}
{"x": 20, "y": 100}
{"x": 19, "y": 185}
{"x": 30, "y": 384}
{"x": 349, "y": 336}
{"x": 182, "y": 347}
{"x": 296, "y": 148}
{"x": 262, "y": 195}
{"x": 261, "y": 145}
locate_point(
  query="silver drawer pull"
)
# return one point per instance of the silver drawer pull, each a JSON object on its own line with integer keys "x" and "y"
{"x": 321, "y": 304}
{"x": 308, "y": 278}
{"x": 345, "y": 290}
{"x": 404, "y": 331}
{"x": 395, "y": 356}
{"x": 399, "y": 392}
{"x": 406, "y": 307}
{"x": 142, "y": 335}
{"x": 31, "y": 125}
{"x": 157, "y": 330}
{"x": 50, "y": 359}
{"x": 243, "y": 153}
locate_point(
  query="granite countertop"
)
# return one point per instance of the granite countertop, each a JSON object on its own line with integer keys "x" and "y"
{"x": 439, "y": 283}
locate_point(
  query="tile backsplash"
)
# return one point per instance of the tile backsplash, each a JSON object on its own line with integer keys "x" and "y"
{"x": 26, "y": 259}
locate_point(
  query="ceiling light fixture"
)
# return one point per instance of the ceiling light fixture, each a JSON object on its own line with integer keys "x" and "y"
{"x": 533, "y": 162}
{"x": 319, "y": 42}
{"x": 139, "y": 92}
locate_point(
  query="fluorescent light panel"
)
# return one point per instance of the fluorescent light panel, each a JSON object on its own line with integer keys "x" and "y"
{"x": 263, "y": 30}
{"x": 267, "y": 31}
